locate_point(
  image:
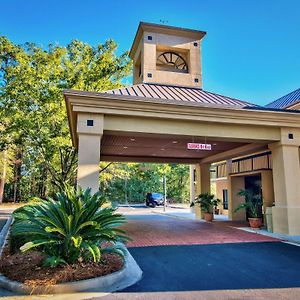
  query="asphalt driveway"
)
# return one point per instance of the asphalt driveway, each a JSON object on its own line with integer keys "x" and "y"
{"x": 185, "y": 255}
{"x": 217, "y": 267}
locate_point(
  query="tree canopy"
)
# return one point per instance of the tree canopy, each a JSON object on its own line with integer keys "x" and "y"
{"x": 36, "y": 155}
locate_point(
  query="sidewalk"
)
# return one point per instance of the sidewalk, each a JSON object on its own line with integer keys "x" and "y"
{"x": 186, "y": 213}
{"x": 294, "y": 239}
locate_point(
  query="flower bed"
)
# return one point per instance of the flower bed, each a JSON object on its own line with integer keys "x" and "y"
{"x": 28, "y": 268}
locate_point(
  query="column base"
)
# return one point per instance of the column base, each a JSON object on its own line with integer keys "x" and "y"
{"x": 198, "y": 213}
{"x": 286, "y": 220}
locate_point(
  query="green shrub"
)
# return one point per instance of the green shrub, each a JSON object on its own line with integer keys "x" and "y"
{"x": 252, "y": 203}
{"x": 207, "y": 202}
{"x": 71, "y": 227}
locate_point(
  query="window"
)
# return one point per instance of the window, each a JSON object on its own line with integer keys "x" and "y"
{"x": 225, "y": 199}
{"x": 172, "y": 61}
{"x": 149, "y": 38}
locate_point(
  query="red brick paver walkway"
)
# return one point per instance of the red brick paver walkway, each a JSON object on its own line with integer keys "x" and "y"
{"x": 173, "y": 231}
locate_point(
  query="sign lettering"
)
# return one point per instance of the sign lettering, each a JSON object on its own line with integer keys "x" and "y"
{"x": 196, "y": 146}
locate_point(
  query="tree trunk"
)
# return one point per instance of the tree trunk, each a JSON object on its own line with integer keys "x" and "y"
{"x": 3, "y": 177}
{"x": 17, "y": 178}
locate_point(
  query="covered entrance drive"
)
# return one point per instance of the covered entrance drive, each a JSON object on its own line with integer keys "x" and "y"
{"x": 111, "y": 128}
{"x": 166, "y": 108}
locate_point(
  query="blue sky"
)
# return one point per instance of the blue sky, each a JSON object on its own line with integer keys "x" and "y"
{"x": 251, "y": 50}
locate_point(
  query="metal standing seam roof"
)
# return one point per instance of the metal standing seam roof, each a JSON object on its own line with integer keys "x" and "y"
{"x": 285, "y": 101}
{"x": 179, "y": 93}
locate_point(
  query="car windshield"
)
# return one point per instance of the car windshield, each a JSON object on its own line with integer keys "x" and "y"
{"x": 157, "y": 195}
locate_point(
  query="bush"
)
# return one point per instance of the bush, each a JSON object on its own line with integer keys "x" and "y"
{"x": 71, "y": 227}
{"x": 207, "y": 202}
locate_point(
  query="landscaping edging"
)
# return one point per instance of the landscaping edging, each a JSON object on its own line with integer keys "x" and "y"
{"x": 4, "y": 233}
{"x": 127, "y": 276}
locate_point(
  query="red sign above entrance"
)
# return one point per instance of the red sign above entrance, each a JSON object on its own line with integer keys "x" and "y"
{"x": 196, "y": 146}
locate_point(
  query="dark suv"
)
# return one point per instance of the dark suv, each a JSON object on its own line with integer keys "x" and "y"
{"x": 154, "y": 199}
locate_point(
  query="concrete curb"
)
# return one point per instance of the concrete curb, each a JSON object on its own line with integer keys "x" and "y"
{"x": 4, "y": 234}
{"x": 127, "y": 276}
{"x": 282, "y": 237}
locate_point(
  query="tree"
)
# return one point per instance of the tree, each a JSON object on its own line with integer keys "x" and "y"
{"x": 133, "y": 180}
{"x": 33, "y": 119}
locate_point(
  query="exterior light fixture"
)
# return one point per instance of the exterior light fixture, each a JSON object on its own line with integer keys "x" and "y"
{"x": 175, "y": 142}
{"x": 125, "y": 147}
{"x": 90, "y": 123}
{"x": 132, "y": 140}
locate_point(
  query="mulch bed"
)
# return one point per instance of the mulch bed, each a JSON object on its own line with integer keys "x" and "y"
{"x": 27, "y": 268}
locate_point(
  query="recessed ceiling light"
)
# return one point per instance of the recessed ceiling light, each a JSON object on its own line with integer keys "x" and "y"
{"x": 125, "y": 147}
{"x": 162, "y": 149}
{"x": 132, "y": 140}
{"x": 175, "y": 142}
{"x": 214, "y": 144}
{"x": 120, "y": 153}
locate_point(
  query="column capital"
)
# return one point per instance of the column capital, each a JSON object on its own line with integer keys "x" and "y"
{"x": 90, "y": 123}
{"x": 289, "y": 136}
{"x": 283, "y": 144}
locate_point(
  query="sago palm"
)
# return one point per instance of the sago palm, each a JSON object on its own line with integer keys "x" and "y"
{"x": 72, "y": 226}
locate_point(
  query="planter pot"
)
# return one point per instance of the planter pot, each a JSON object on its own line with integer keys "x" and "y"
{"x": 208, "y": 217}
{"x": 255, "y": 222}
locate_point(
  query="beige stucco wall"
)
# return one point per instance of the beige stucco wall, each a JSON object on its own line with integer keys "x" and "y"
{"x": 89, "y": 141}
{"x": 286, "y": 176}
{"x": 221, "y": 184}
{"x": 147, "y": 52}
{"x": 202, "y": 184}
{"x": 235, "y": 184}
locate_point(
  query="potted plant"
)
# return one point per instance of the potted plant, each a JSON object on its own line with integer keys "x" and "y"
{"x": 252, "y": 203}
{"x": 207, "y": 203}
